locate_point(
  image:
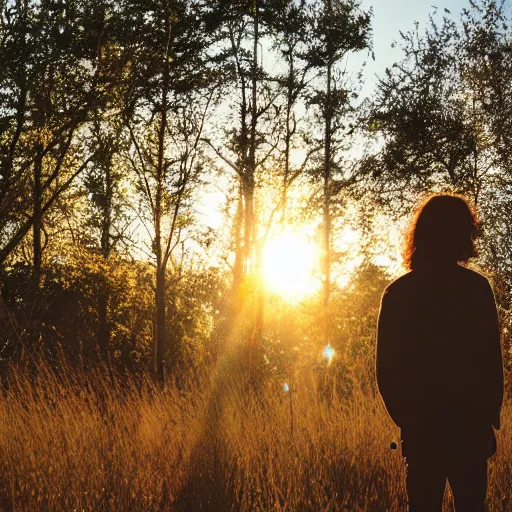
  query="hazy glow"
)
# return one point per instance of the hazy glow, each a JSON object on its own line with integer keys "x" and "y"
{"x": 286, "y": 387}
{"x": 289, "y": 265}
{"x": 297, "y": 157}
{"x": 383, "y": 260}
{"x": 347, "y": 238}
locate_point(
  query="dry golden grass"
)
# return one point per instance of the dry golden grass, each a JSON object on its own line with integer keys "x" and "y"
{"x": 215, "y": 446}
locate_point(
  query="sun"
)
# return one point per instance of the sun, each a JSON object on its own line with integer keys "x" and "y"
{"x": 290, "y": 265}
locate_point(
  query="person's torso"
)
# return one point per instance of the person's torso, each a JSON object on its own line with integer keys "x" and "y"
{"x": 440, "y": 338}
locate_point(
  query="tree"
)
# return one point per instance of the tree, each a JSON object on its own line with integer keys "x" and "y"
{"x": 442, "y": 109}
{"x": 340, "y": 27}
{"x": 172, "y": 90}
{"x": 291, "y": 28}
{"x": 49, "y": 87}
{"x": 443, "y": 116}
{"x": 108, "y": 218}
{"x": 422, "y": 111}
{"x": 250, "y": 141}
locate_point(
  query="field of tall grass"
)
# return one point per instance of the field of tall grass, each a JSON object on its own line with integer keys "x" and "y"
{"x": 82, "y": 443}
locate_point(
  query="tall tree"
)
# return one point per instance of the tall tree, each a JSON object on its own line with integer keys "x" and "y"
{"x": 424, "y": 115}
{"x": 108, "y": 218}
{"x": 49, "y": 88}
{"x": 340, "y": 28}
{"x": 443, "y": 109}
{"x": 248, "y": 142}
{"x": 171, "y": 96}
{"x": 291, "y": 29}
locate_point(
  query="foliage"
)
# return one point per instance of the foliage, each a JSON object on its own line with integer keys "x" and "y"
{"x": 442, "y": 114}
{"x": 440, "y": 110}
{"x": 120, "y": 120}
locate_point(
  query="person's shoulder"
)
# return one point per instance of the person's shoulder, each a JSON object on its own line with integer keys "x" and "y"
{"x": 473, "y": 277}
{"x": 399, "y": 285}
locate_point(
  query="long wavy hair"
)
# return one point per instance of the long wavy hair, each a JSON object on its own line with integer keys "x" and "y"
{"x": 442, "y": 231}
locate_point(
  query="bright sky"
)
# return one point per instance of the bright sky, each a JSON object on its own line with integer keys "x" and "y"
{"x": 391, "y": 16}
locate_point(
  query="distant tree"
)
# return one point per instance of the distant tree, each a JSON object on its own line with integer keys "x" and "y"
{"x": 250, "y": 141}
{"x": 340, "y": 28}
{"x": 172, "y": 91}
{"x": 49, "y": 87}
{"x": 422, "y": 111}
{"x": 107, "y": 218}
{"x": 442, "y": 111}
{"x": 247, "y": 144}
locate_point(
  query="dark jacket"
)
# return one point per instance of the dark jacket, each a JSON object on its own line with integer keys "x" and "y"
{"x": 439, "y": 357}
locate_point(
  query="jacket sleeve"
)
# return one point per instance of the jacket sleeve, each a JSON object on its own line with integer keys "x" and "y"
{"x": 388, "y": 358}
{"x": 493, "y": 377}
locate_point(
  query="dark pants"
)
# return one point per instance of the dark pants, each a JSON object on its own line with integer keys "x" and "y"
{"x": 426, "y": 480}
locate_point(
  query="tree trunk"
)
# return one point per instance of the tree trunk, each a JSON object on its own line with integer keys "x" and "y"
{"x": 249, "y": 259}
{"x": 103, "y": 323}
{"x": 327, "y": 202}
{"x": 37, "y": 224}
{"x": 249, "y": 184}
{"x": 160, "y": 334}
{"x": 160, "y": 279}
{"x": 288, "y": 138}
{"x": 253, "y": 252}
{"x": 160, "y": 348}
{"x": 238, "y": 267}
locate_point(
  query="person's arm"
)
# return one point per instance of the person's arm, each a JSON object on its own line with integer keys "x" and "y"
{"x": 494, "y": 366}
{"x": 387, "y": 358}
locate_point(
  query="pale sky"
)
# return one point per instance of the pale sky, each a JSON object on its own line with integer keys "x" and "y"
{"x": 391, "y": 16}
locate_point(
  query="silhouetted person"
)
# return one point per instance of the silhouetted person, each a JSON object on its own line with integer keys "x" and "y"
{"x": 439, "y": 364}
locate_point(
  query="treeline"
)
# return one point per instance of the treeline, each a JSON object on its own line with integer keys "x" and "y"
{"x": 114, "y": 112}
{"x": 118, "y": 117}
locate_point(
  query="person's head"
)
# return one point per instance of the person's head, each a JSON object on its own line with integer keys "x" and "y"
{"x": 442, "y": 231}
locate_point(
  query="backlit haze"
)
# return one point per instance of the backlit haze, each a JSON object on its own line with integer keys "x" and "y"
{"x": 291, "y": 257}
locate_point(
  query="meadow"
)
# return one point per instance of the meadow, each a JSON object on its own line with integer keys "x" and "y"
{"x": 85, "y": 442}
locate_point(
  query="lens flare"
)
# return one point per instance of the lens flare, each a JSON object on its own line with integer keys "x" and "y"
{"x": 328, "y": 353}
